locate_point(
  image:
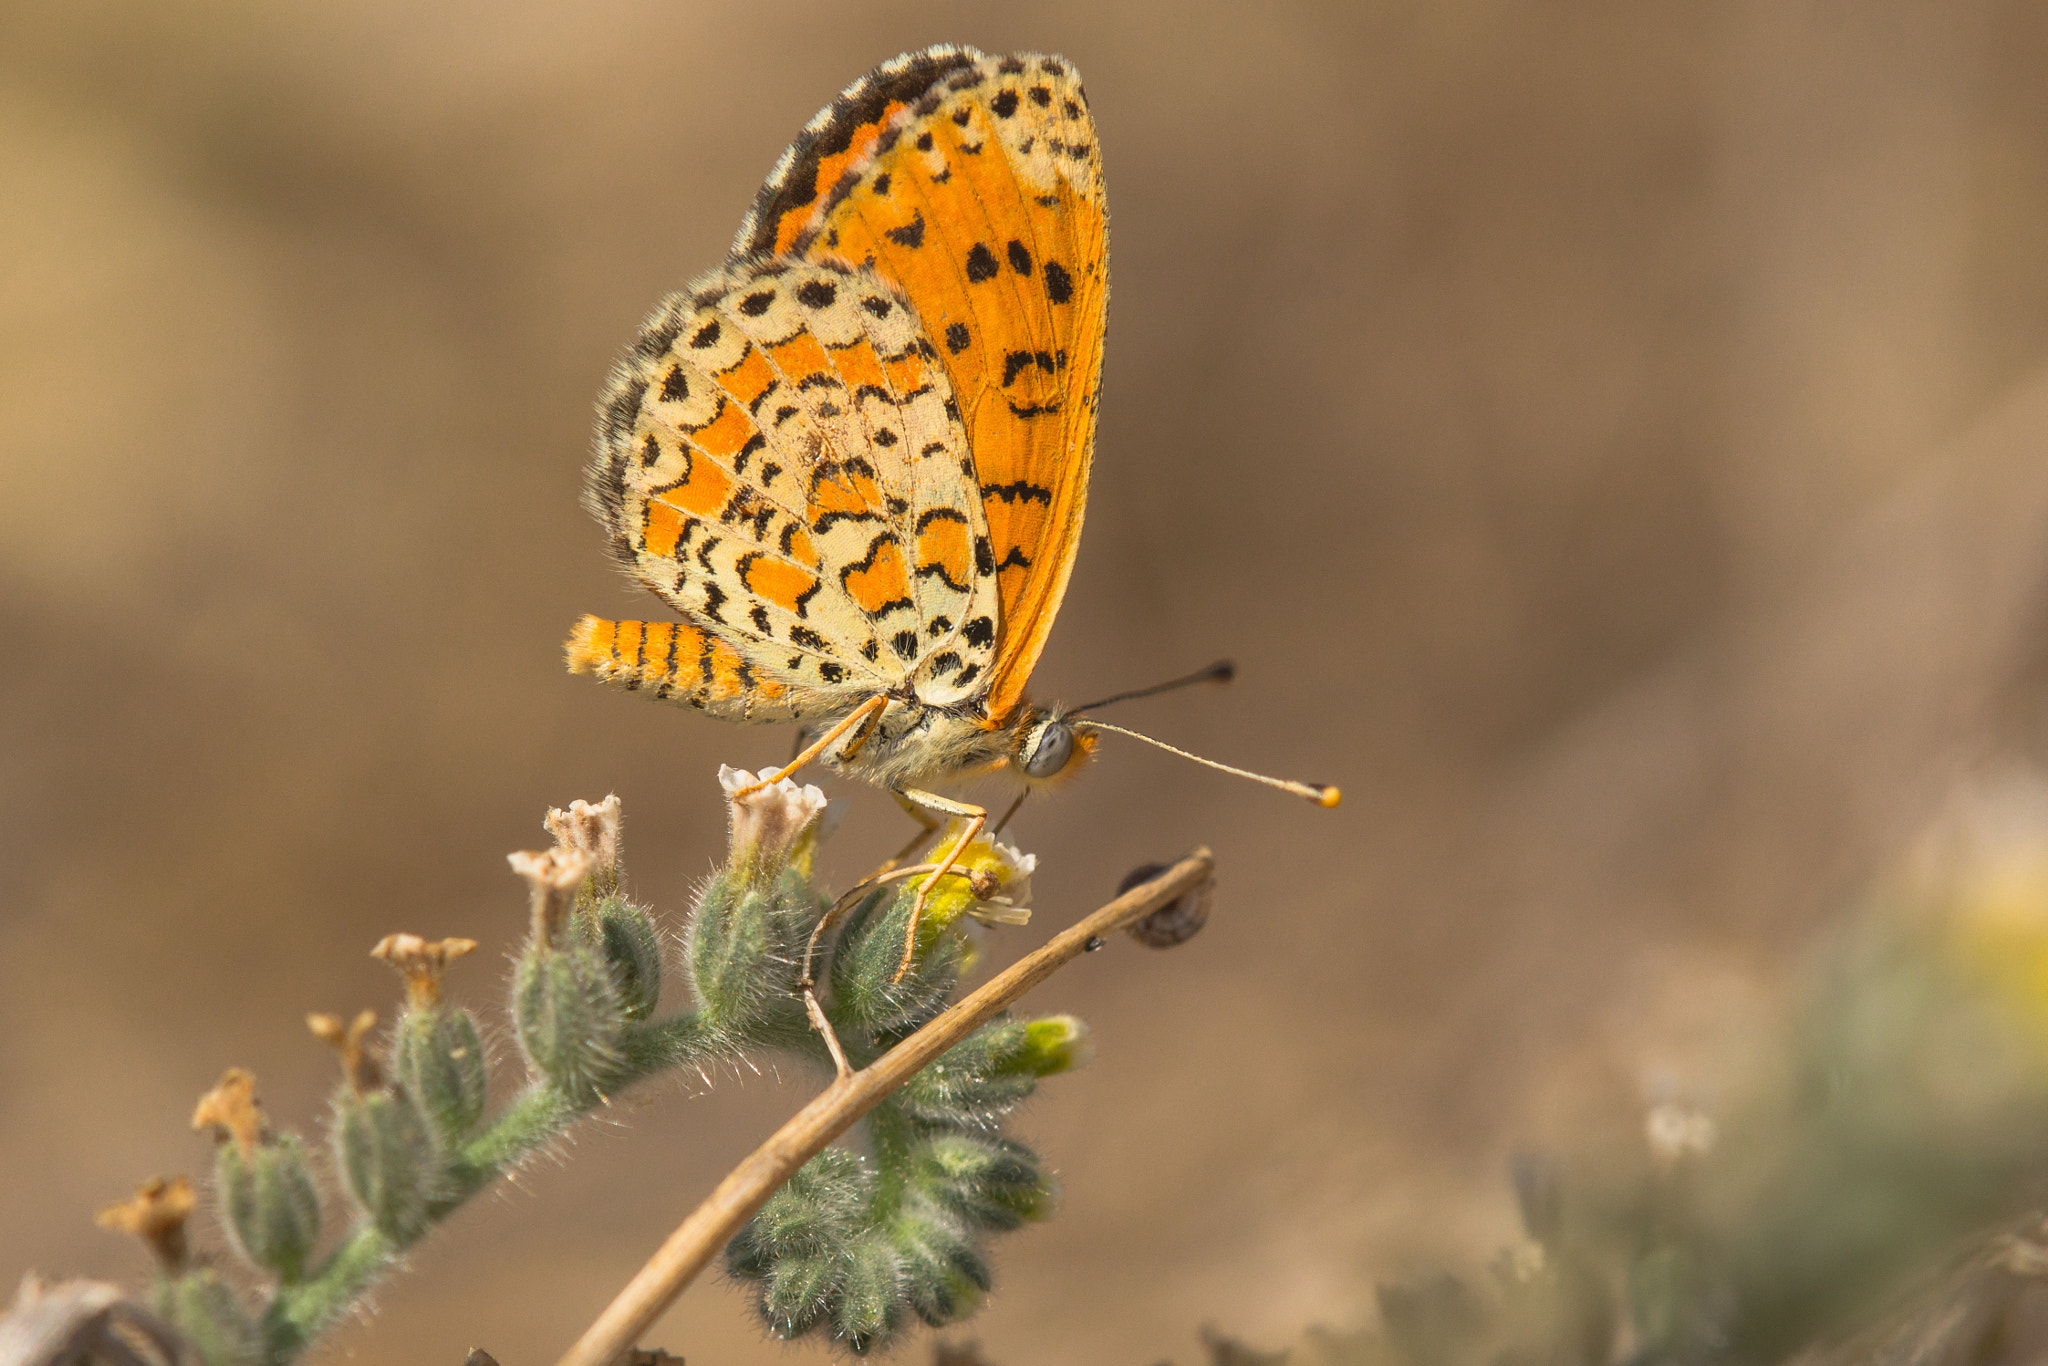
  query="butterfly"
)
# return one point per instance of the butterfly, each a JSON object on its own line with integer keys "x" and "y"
{"x": 854, "y": 458}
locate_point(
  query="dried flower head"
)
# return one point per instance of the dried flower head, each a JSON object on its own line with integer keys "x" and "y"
{"x": 156, "y": 1213}
{"x": 358, "y": 1064}
{"x": 424, "y": 963}
{"x": 591, "y": 829}
{"x": 766, "y": 824}
{"x": 552, "y": 879}
{"x": 231, "y": 1108}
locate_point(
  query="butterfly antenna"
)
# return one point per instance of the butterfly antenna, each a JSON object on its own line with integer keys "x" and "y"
{"x": 1011, "y": 812}
{"x": 1322, "y": 794}
{"x": 1222, "y": 671}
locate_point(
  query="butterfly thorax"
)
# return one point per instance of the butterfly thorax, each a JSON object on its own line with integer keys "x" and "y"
{"x": 915, "y": 743}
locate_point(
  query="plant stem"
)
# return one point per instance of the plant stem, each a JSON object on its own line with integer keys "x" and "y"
{"x": 747, "y": 1187}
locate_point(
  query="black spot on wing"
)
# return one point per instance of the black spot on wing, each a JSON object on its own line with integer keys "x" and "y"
{"x": 904, "y": 643}
{"x": 1041, "y": 96}
{"x": 1016, "y": 362}
{"x": 1004, "y": 104}
{"x": 1059, "y": 286}
{"x": 817, "y": 293}
{"x": 981, "y": 264}
{"x": 707, "y": 335}
{"x": 675, "y": 386}
{"x": 956, "y": 337}
{"x": 911, "y": 234}
{"x": 1018, "y": 491}
{"x": 1020, "y": 259}
{"x": 755, "y": 304}
{"x": 980, "y": 632}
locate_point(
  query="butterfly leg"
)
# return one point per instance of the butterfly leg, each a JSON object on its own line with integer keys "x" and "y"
{"x": 867, "y": 712}
{"x": 976, "y": 817}
{"x": 927, "y": 827}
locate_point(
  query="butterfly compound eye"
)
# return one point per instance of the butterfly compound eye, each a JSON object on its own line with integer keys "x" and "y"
{"x": 1050, "y": 750}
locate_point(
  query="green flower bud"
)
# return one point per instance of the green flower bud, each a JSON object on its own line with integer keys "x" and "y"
{"x": 800, "y": 1292}
{"x": 566, "y": 1004}
{"x": 944, "y": 1278}
{"x": 820, "y": 1209}
{"x": 439, "y": 1058}
{"x": 976, "y": 1082}
{"x": 741, "y": 962}
{"x": 389, "y": 1161}
{"x": 208, "y": 1312}
{"x": 1058, "y": 1043}
{"x": 865, "y": 989}
{"x": 870, "y": 1299}
{"x": 633, "y": 949}
{"x": 993, "y": 1184}
{"x": 270, "y": 1203}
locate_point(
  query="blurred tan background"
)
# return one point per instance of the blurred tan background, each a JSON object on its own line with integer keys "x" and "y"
{"x": 1612, "y": 438}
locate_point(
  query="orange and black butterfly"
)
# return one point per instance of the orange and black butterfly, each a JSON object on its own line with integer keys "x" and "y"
{"x": 854, "y": 458}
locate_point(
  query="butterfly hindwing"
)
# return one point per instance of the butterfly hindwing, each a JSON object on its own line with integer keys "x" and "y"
{"x": 781, "y": 459}
{"x": 973, "y": 184}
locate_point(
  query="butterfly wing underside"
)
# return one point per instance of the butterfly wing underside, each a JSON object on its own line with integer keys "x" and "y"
{"x": 781, "y": 460}
{"x": 973, "y": 184}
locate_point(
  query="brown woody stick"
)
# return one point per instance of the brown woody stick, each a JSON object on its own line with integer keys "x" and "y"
{"x": 747, "y": 1187}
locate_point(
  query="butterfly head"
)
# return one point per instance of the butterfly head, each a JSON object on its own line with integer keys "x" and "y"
{"x": 1051, "y": 745}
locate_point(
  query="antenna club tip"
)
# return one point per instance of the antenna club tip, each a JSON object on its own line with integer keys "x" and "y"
{"x": 1223, "y": 671}
{"x": 1327, "y": 794}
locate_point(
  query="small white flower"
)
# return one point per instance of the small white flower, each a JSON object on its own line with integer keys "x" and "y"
{"x": 1675, "y": 1133}
{"x": 767, "y": 823}
{"x": 999, "y": 877}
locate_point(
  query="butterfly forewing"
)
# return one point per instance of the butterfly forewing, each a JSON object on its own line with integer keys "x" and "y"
{"x": 973, "y": 183}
